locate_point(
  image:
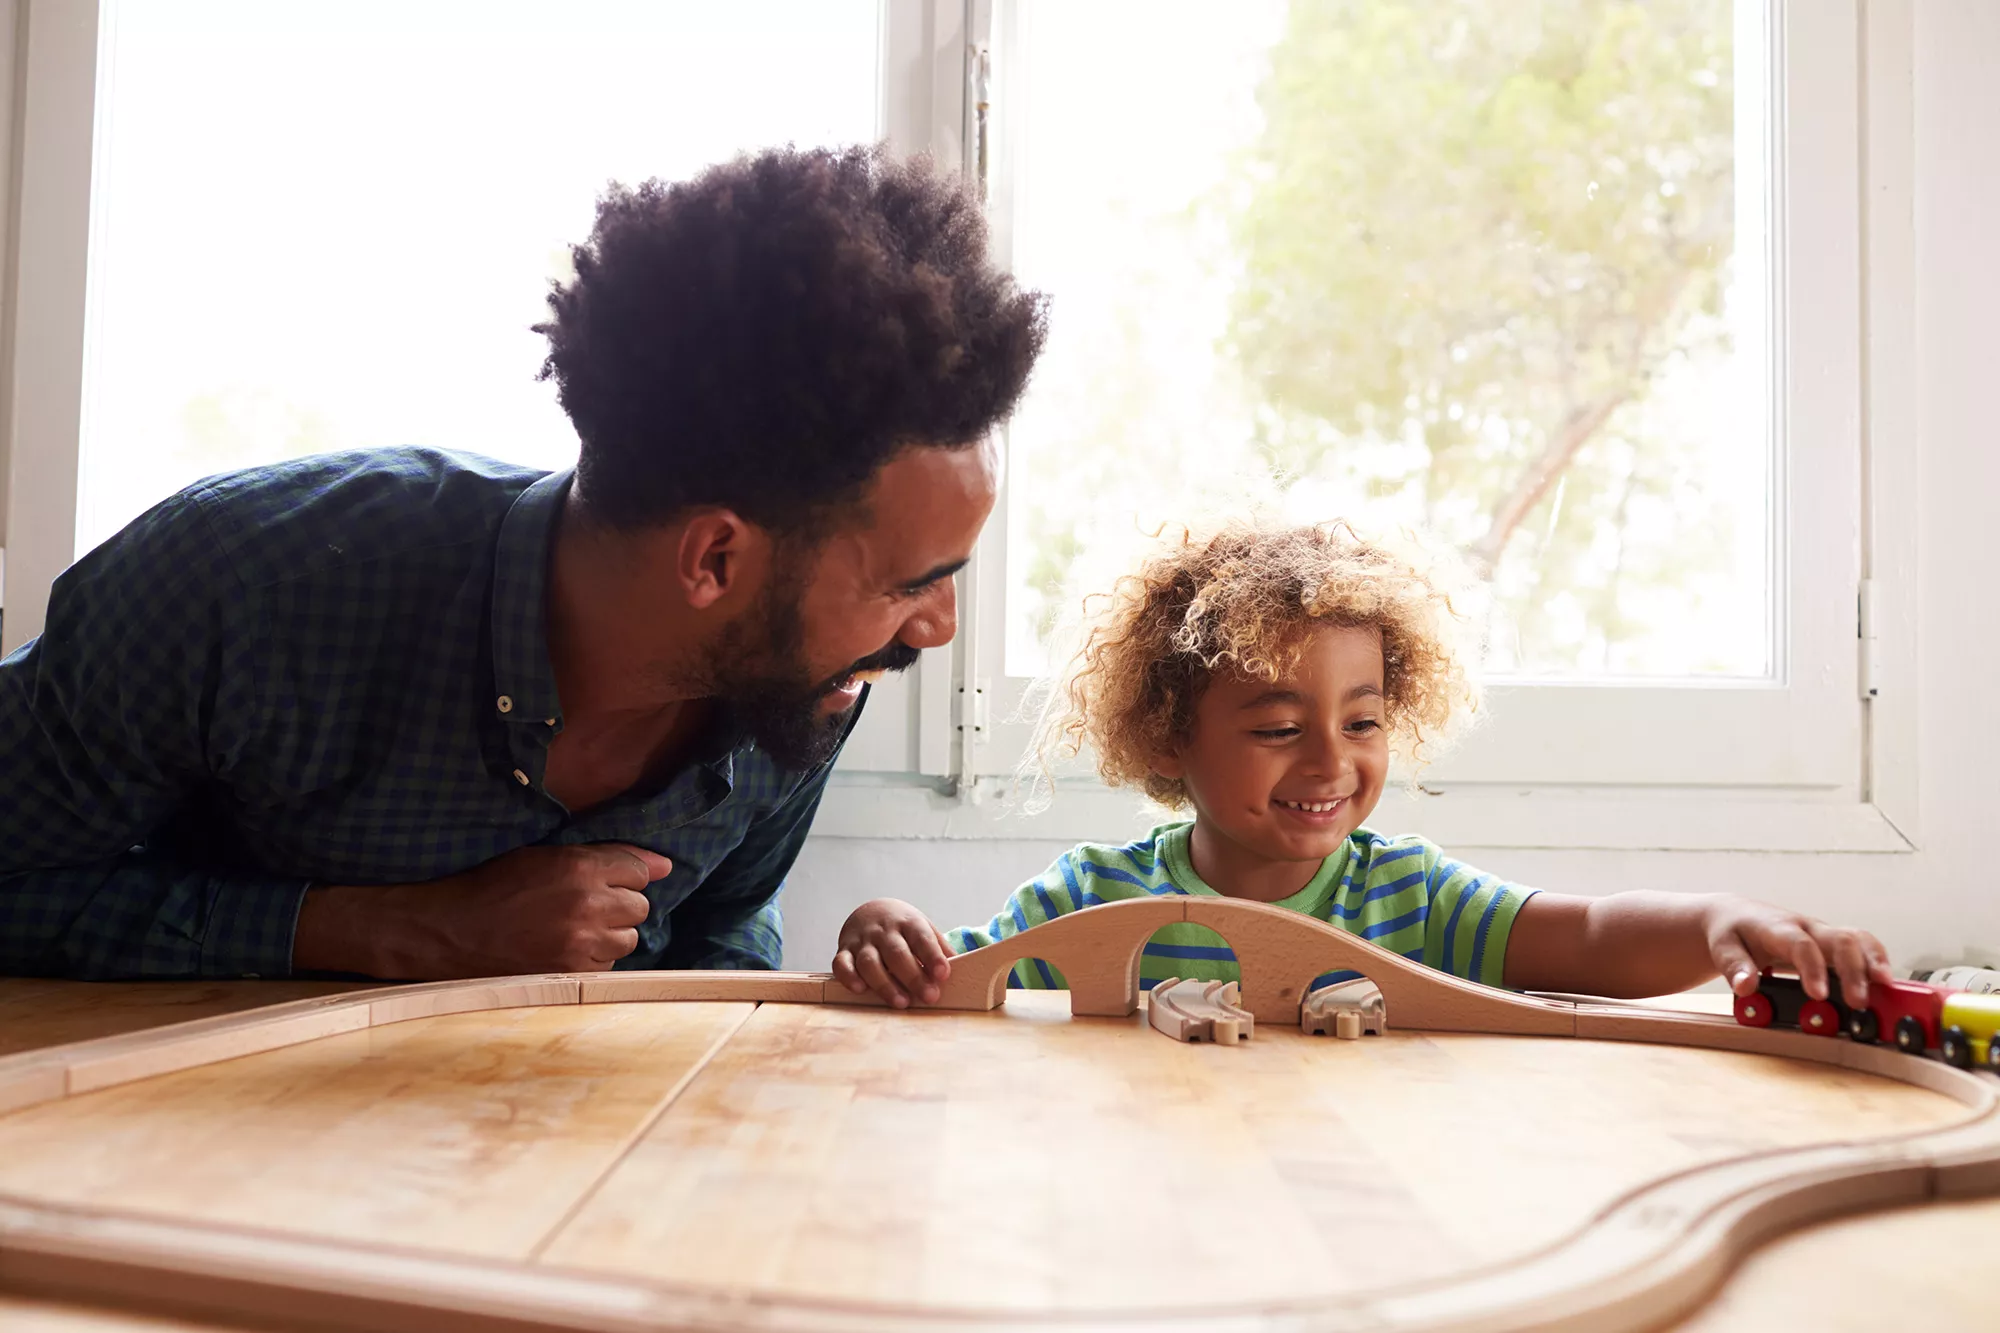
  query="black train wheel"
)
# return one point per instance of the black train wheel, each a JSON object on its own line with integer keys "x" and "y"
{"x": 1910, "y": 1036}
{"x": 1956, "y": 1047}
{"x": 1863, "y": 1027}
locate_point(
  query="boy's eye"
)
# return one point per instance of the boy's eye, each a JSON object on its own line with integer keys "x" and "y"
{"x": 1362, "y": 726}
{"x": 1276, "y": 733}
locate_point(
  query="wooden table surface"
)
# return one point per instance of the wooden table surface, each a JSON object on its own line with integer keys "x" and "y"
{"x": 36, "y": 1013}
{"x": 855, "y": 1153}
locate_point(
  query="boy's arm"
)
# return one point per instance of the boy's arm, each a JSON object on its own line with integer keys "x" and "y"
{"x": 1643, "y": 943}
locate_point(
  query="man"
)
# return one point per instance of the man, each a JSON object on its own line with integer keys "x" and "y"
{"x": 411, "y": 714}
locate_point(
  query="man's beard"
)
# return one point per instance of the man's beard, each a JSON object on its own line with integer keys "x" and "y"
{"x": 760, "y": 672}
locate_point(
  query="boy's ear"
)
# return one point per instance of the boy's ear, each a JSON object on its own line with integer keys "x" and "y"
{"x": 1169, "y": 765}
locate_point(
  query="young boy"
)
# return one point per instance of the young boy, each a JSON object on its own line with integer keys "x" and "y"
{"x": 1263, "y": 677}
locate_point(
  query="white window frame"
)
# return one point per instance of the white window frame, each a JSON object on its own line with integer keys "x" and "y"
{"x": 936, "y": 742}
{"x": 1820, "y": 760}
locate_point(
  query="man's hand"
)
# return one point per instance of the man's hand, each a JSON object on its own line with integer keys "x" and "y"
{"x": 535, "y": 909}
{"x": 891, "y": 948}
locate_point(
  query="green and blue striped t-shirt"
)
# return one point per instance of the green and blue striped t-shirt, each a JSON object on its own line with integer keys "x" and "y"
{"x": 1403, "y": 894}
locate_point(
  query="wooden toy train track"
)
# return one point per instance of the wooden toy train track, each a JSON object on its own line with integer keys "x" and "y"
{"x": 760, "y": 1151}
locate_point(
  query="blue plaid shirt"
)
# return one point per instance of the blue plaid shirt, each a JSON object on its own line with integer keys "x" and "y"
{"x": 333, "y": 670}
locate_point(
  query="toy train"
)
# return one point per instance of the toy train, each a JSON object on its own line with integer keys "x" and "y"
{"x": 1960, "y": 1026}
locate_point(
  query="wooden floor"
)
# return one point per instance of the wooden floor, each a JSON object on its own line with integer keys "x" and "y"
{"x": 999, "y": 1160}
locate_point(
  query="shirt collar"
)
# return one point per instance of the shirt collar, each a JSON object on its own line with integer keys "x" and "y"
{"x": 524, "y": 680}
{"x": 1175, "y": 848}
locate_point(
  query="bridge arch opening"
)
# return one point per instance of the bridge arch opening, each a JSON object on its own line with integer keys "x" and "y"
{"x": 1037, "y": 975}
{"x": 1189, "y": 952}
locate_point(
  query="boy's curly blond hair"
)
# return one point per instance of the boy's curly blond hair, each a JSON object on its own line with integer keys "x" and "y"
{"x": 1246, "y": 599}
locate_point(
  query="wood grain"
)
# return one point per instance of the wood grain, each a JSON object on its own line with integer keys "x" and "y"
{"x": 29, "y": 1083}
{"x": 1909, "y": 1268}
{"x": 22, "y": 1315}
{"x": 191, "y": 1049}
{"x": 469, "y": 1133}
{"x": 762, "y": 987}
{"x": 1903, "y": 1268}
{"x": 839, "y": 1168}
{"x": 1279, "y": 953}
{"x": 1096, "y": 951}
{"x": 35, "y": 1012}
{"x": 857, "y": 1154}
{"x": 435, "y": 999}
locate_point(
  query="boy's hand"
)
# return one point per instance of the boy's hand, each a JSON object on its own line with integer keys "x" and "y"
{"x": 891, "y": 948}
{"x": 1745, "y": 936}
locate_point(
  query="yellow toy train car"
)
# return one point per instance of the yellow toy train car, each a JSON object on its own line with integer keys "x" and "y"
{"x": 1967, "y": 1028}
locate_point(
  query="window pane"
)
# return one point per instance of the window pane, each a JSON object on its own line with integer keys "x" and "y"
{"x": 1494, "y": 271}
{"x": 330, "y": 224}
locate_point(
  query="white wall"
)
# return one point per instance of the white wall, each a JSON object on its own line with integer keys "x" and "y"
{"x": 1936, "y": 901}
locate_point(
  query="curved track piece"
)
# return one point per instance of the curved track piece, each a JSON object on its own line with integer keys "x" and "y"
{"x": 1348, "y": 1010}
{"x": 1199, "y": 1011}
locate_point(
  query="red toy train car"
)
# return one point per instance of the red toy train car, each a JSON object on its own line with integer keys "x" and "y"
{"x": 1909, "y": 1013}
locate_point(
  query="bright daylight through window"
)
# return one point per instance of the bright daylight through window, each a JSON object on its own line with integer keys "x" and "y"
{"x": 1520, "y": 284}
{"x": 328, "y": 225}
{"x": 1401, "y": 262}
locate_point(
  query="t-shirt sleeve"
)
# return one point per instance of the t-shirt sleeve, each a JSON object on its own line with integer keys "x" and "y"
{"x": 1471, "y": 915}
{"x": 1061, "y": 889}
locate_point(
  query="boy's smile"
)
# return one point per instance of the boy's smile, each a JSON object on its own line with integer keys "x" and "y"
{"x": 1280, "y": 772}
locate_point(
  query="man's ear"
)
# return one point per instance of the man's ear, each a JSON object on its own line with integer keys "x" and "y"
{"x": 720, "y": 554}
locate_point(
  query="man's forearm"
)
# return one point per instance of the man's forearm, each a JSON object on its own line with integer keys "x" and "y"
{"x": 351, "y": 928}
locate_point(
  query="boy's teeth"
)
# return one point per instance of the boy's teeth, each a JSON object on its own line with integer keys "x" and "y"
{"x": 1315, "y": 807}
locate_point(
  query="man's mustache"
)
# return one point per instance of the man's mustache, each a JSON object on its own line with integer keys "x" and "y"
{"x": 898, "y": 656}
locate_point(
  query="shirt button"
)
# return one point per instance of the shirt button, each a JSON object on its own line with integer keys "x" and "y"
{"x": 504, "y": 704}
{"x": 520, "y": 777}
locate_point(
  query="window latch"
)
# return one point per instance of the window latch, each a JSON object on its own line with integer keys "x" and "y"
{"x": 1868, "y": 619}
